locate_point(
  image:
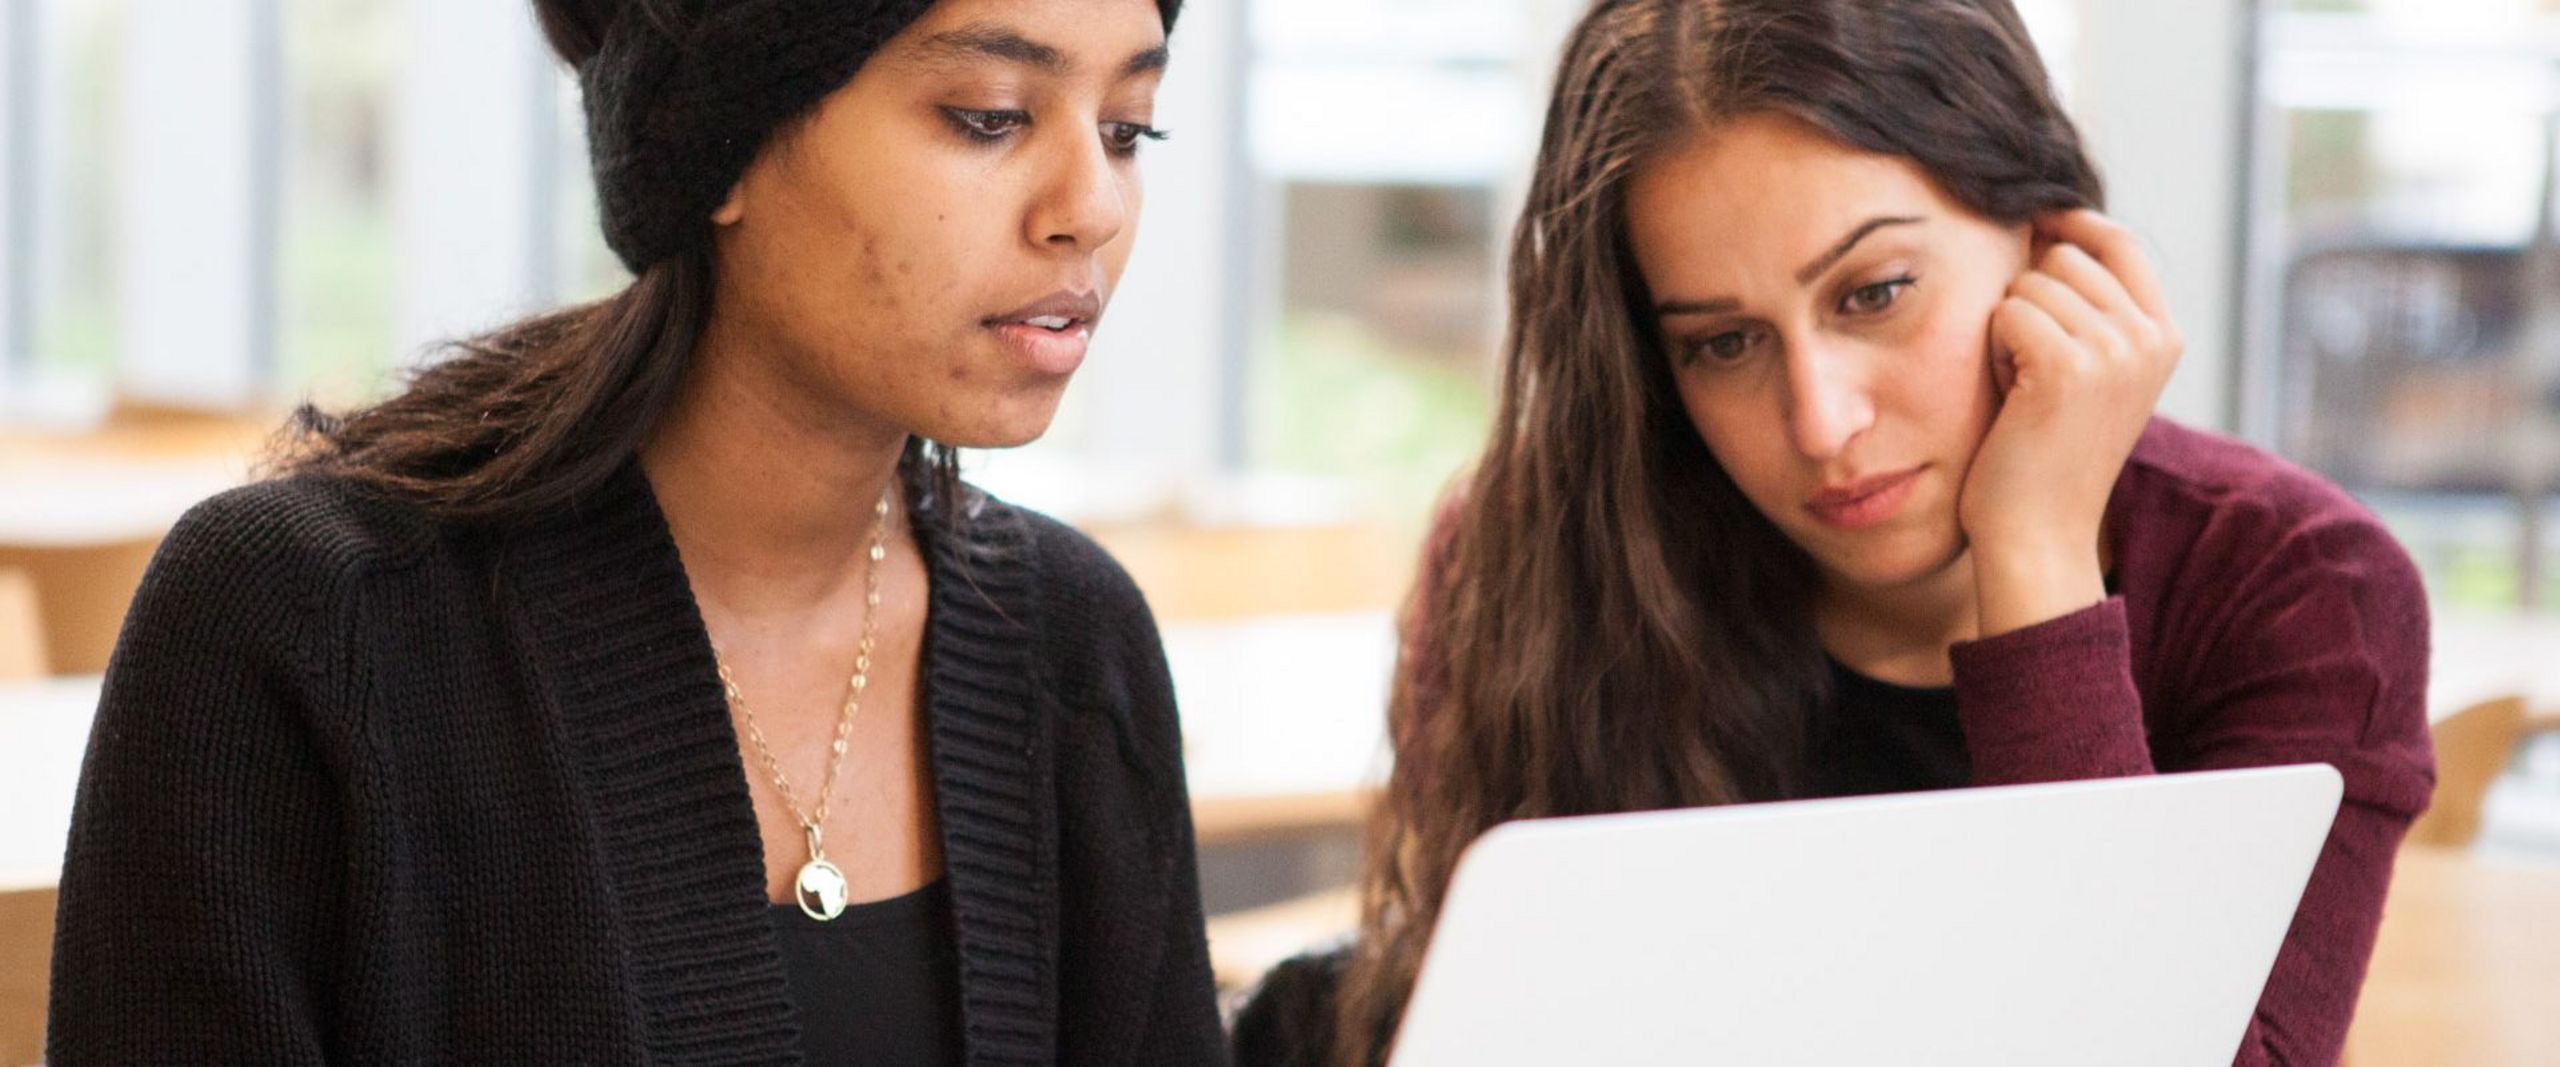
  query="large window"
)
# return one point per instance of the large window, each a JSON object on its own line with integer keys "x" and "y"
{"x": 238, "y": 201}
{"x": 1387, "y": 143}
{"x": 336, "y": 266}
{"x": 2405, "y": 285}
{"x": 61, "y": 68}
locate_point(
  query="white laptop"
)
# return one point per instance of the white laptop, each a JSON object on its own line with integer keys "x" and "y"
{"x": 2125, "y": 921}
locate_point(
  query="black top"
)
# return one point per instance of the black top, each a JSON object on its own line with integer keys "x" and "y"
{"x": 878, "y": 984}
{"x": 370, "y": 787}
{"x": 1878, "y": 737}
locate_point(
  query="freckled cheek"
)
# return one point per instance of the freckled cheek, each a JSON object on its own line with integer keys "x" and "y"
{"x": 864, "y": 275}
{"x": 887, "y": 281}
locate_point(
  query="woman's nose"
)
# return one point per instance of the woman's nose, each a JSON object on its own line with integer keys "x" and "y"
{"x": 1828, "y": 404}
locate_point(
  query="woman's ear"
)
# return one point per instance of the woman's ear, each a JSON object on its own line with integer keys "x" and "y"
{"x": 732, "y": 209}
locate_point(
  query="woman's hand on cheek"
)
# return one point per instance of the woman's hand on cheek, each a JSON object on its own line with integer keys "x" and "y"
{"x": 2084, "y": 344}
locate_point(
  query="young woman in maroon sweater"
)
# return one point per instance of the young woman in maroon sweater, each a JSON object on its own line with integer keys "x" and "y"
{"x": 1825, "y": 464}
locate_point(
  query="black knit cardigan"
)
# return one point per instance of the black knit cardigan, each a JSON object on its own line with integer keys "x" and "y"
{"x": 370, "y": 788}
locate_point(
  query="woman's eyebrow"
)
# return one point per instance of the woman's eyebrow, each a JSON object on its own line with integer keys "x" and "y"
{"x": 986, "y": 41}
{"x": 1824, "y": 261}
{"x": 982, "y": 41}
{"x": 1805, "y": 276}
{"x": 1717, "y": 306}
{"x": 1151, "y": 61}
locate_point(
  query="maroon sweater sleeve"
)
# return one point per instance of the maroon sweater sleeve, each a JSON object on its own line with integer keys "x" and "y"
{"x": 2053, "y": 702}
{"x": 2320, "y": 655}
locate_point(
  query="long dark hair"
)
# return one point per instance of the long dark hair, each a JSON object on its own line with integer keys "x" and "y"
{"x": 531, "y": 417}
{"x": 1611, "y": 626}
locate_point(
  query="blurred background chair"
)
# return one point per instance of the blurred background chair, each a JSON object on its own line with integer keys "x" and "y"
{"x": 2468, "y": 956}
{"x": 2473, "y": 747}
{"x": 26, "y": 960}
{"x": 21, "y": 629}
{"x": 87, "y": 508}
{"x": 80, "y": 593}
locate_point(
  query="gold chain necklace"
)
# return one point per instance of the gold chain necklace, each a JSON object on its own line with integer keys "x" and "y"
{"x": 821, "y": 885}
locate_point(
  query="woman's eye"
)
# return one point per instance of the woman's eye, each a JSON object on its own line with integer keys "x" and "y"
{"x": 1725, "y": 347}
{"x": 1123, "y": 137}
{"x": 986, "y": 125}
{"x": 1871, "y": 299}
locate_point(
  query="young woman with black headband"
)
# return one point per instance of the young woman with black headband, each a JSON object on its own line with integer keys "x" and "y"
{"x": 642, "y": 685}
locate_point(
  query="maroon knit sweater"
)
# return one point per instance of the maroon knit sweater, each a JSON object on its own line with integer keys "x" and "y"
{"x": 2261, "y": 617}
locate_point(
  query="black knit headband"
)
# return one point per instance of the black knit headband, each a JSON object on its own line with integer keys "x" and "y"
{"x": 677, "y": 106}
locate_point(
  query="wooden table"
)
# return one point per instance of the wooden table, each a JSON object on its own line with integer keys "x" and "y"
{"x": 82, "y": 531}
{"x": 130, "y": 476}
{"x": 2467, "y": 968}
{"x": 47, "y": 727}
{"x": 86, "y": 503}
{"x": 1283, "y": 720}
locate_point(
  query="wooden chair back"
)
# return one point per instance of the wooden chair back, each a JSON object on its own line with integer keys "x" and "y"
{"x": 21, "y": 628}
{"x": 2473, "y": 747}
{"x": 81, "y": 593}
{"x": 26, "y": 965}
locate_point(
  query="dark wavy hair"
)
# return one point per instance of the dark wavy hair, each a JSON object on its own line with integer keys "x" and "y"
{"x": 1611, "y": 626}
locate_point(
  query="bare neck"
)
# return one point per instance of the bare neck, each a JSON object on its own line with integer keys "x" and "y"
{"x": 769, "y": 492}
{"x": 1901, "y": 634}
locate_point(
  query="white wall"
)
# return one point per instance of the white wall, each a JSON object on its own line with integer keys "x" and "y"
{"x": 2158, "y": 93}
{"x": 190, "y": 245}
{"x": 464, "y": 196}
{"x": 16, "y": 22}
